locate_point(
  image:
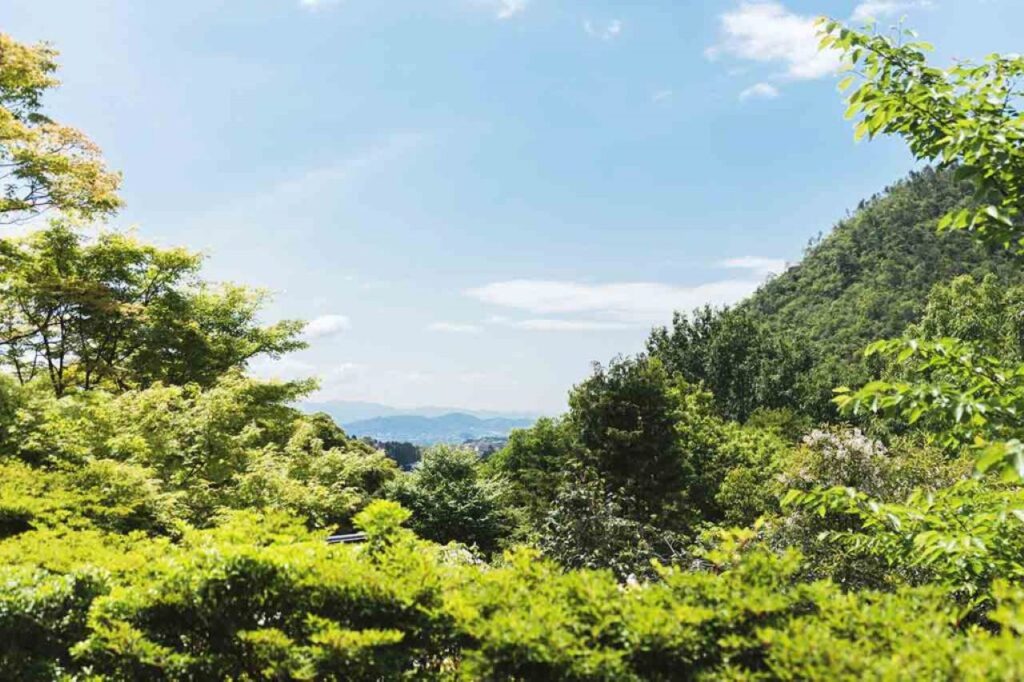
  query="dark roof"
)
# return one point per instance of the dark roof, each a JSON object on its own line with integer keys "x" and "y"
{"x": 346, "y": 539}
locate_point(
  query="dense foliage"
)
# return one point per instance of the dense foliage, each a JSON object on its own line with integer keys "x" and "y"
{"x": 802, "y": 333}
{"x": 700, "y": 511}
{"x": 260, "y": 598}
{"x": 116, "y": 313}
{"x": 451, "y": 499}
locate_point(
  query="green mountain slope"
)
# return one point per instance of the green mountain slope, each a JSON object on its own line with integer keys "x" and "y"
{"x": 801, "y": 334}
{"x": 870, "y": 277}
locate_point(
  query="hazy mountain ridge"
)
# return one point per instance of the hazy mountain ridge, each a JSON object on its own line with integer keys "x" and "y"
{"x": 457, "y": 427}
{"x": 350, "y": 411}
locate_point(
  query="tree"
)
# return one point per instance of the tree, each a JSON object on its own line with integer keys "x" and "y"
{"x": 965, "y": 117}
{"x": 235, "y": 444}
{"x": 532, "y": 466}
{"x": 405, "y": 455}
{"x": 847, "y": 459}
{"x": 451, "y": 498}
{"x": 664, "y": 456}
{"x": 624, "y": 418}
{"x": 986, "y": 313}
{"x": 744, "y": 363}
{"x": 118, "y": 313}
{"x": 44, "y": 165}
{"x": 965, "y": 537}
{"x": 588, "y": 526}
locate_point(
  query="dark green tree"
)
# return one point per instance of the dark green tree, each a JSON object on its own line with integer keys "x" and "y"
{"x": 742, "y": 360}
{"x": 452, "y": 499}
{"x": 532, "y": 466}
{"x": 625, "y": 417}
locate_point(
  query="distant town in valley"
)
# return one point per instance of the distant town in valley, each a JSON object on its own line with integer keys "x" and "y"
{"x": 403, "y": 433}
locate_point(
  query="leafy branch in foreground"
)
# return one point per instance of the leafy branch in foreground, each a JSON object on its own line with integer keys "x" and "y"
{"x": 965, "y": 397}
{"x": 963, "y": 537}
{"x": 44, "y": 164}
{"x": 966, "y": 116}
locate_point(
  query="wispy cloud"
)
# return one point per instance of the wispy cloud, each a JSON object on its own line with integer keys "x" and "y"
{"x": 314, "y": 5}
{"x": 510, "y": 8}
{"x": 392, "y": 147}
{"x": 294, "y": 197}
{"x": 879, "y": 9}
{"x": 609, "y": 305}
{"x": 337, "y": 380}
{"x": 758, "y": 265}
{"x": 662, "y": 95}
{"x": 766, "y": 31}
{"x": 759, "y": 91}
{"x": 610, "y": 31}
{"x": 286, "y": 368}
{"x": 334, "y": 380}
{"x": 326, "y": 325}
{"x": 389, "y": 385}
{"x": 561, "y": 325}
{"x": 455, "y": 328}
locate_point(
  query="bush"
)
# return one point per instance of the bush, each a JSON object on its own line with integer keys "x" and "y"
{"x": 588, "y": 527}
{"x": 259, "y": 597}
{"x": 452, "y": 499}
{"x": 42, "y": 616}
{"x": 235, "y": 445}
{"x": 848, "y": 459}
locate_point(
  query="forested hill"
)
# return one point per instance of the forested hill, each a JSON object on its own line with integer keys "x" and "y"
{"x": 871, "y": 276}
{"x": 802, "y": 333}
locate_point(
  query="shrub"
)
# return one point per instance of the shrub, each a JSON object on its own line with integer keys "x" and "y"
{"x": 452, "y": 499}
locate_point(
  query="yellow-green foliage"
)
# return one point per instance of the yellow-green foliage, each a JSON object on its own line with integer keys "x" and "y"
{"x": 182, "y": 453}
{"x": 259, "y": 597}
{"x": 52, "y": 165}
{"x": 104, "y": 493}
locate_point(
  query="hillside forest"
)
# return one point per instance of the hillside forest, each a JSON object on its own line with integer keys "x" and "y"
{"x": 821, "y": 482}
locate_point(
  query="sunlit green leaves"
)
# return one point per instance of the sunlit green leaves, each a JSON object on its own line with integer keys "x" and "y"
{"x": 966, "y": 397}
{"x": 965, "y": 116}
{"x": 47, "y": 165}
{"x": 964, "y": 537}
{"x": 117, "y": 313}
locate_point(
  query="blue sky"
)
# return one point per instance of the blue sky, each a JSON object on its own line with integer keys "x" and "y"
{"x": 472, "y": 200}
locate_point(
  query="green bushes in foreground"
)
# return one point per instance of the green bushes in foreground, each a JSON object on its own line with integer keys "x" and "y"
{"x": 259, "y": 597}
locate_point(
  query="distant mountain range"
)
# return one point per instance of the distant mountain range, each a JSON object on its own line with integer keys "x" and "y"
{"x": 349, "y": 411}
{"x": 454, "y": 428}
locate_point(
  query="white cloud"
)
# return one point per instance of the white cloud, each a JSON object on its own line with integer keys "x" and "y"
{"x": 326, "y": 325}
{"x": 617, "y": 303}
{"x": 661, "y": 95}
{"x": 510, "y": 8}
{"x": 878, "y": 9}
{"x": 287, "y": 368}
{"x": 756, "y": 264}
{"x": 315, "y": 5}
{"x": 342, "y": 373}
{"x": 609, "y": 31}
{"x": 759, "y": 91}
{"x": 455, "y": 328}
{"x": 343, "y": 381}
{"x": 561, "y": 325}
{"x": 766, "y": 31}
